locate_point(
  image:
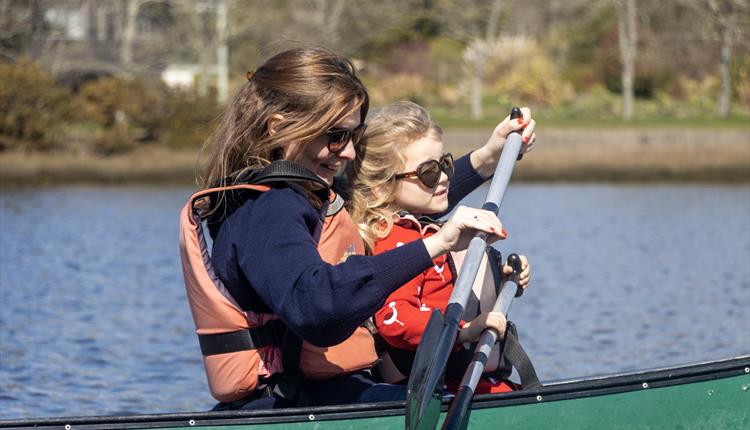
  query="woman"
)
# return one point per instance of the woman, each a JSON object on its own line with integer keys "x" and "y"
{"x": 286, "y": 257}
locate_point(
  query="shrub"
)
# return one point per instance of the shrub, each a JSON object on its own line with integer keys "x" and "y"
{"x": 117, "y": 102}
{"x": 32, "y": 107}
{"x": 518, "y": 69}
{"x": 740, "y": 75}
{"x": 187, "y": 119}
{"x": 401, "y": 86}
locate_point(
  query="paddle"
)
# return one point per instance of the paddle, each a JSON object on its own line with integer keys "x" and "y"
{"x": 459, "y": 412}
{"x": 424, "y": 391}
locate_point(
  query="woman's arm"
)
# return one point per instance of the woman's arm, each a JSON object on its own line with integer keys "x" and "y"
{"x": 321, "y": 303}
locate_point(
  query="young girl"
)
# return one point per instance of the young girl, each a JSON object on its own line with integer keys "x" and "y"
{"x": 402, "y": 175}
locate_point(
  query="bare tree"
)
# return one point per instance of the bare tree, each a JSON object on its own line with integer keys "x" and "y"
{"x": 628, "y": 39}
{"x": 726, "y": 19}
{"x": 328, "y": 14}
{"x": 474, "y": 25}
{"x": 128, "y": 34}
{"x": 481, "y": 59}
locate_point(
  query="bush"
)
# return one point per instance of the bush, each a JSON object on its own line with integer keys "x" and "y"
{"x": 598, "y": 102}
{"x": 32, "y": 107}
{"x": 115, "y": 102}
{"x": 518, "y": 69}
{"x": 740, "y": 75}
{"x": 401, "y": 86}
{"x": 187, "y": 119}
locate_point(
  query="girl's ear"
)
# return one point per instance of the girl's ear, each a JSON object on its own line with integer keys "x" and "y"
{"x": 273, "y": 123}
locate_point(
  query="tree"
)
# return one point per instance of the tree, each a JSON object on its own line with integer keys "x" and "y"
{"x": 726, "y": 20}
{"x": 628, "y": 39}
{"x": 476, "y": 26}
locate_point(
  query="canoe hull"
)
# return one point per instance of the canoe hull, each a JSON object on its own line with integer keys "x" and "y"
{"x": 707, "y": 396}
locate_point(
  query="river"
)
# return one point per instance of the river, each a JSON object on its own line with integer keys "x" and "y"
{"x": 94, "y": 320}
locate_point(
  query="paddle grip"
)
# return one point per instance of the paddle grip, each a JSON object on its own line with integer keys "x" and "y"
{"x": 516, "y": 113}
{"x": 514, "y": 261}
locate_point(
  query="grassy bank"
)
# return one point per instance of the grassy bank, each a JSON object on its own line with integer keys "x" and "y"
{"x": 625, "y": 154}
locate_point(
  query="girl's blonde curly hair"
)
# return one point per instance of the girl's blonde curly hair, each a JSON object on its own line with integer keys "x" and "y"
{"x": 379, "y": 158}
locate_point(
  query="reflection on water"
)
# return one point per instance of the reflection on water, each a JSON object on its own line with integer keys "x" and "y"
{"x": 93, "y": 316}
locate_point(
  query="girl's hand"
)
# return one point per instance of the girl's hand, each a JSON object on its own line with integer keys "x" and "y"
{"x": 456, "y": 234}
{"x": 471, "y": 331}
{"x": 485, "y": 158}
{"x": 524, "y": 277}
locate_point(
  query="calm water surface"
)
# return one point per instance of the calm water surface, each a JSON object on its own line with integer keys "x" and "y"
{"x": 94, "y": 320}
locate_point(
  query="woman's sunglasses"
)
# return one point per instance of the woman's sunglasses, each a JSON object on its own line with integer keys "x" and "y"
{"x": 338, "y": 138}
{"x": 429, "y": 172}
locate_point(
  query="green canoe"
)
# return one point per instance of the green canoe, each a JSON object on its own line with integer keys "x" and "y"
{"x": 713, "y": 395}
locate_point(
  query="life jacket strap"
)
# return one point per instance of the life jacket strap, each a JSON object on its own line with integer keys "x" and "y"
{"x": 516, "y": 355}
{"x": 335, "y": 206}
{"x": 269, "y": 334}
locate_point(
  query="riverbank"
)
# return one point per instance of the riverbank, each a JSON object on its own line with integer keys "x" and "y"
{"x": 565, "y": 154}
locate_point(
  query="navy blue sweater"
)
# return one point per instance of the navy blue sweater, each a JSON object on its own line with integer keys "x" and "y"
{"x": 266, "y": 255}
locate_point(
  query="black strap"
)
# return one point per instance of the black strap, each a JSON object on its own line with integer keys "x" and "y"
{"x": 270, "y": 334}
{"x": 289, "y": 386}
{"x": 515, "y": 353}
{"x": 278, "y": 171}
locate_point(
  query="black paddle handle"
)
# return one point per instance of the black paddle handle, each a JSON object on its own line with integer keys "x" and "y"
{"x": 514, "y": 261}
{"x": 516, "y": 113}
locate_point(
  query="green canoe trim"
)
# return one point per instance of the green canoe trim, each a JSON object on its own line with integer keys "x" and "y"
{"x": 364, "y": 413}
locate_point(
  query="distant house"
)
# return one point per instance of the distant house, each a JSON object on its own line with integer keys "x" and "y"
{"x": 84, "y": 39}
{"x": 184, "y": 76}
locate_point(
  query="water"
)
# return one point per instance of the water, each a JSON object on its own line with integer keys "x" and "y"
{"x": 94, "y": 320}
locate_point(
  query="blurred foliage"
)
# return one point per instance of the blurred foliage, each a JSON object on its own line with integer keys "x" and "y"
{"x": 740, "y": 75}
{"x": 125, "y": 110}
{"x": 519, "y": 69}
{"x": 187, "y": 117}
{"x": 559, "y": 57}
{"x": 32, "y": 108}
{"x": 107, "y": 116}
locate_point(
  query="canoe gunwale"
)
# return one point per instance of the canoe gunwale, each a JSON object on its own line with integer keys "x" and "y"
{"x": 555, "y": 391}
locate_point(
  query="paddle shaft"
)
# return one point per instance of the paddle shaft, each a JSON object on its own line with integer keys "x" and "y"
{"x": 488, "y": 338}
{"x": 460, "y": 295}
{"x": 458, "y": 414}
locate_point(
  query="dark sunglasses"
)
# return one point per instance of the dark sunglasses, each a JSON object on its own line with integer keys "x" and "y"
{"x": 338, "y": 138}
{"x": 429, "y": 172}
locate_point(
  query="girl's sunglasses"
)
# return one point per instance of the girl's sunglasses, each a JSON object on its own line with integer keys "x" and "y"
{"x": 338, "y": 138}
{"x": 429, "y": 172}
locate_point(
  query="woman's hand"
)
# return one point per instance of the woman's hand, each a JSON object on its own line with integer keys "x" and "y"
{"x": 456, "y": 234}
{"x": 471, "y": 331}
{"x": 524, "y": 277}
{"x": 485, "y": 158}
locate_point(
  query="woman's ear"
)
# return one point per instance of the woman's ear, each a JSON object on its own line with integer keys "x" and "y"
{"x": 273, "y": 123}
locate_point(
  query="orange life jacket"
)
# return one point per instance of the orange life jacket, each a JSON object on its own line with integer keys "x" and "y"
{"x": 241, "y": 348}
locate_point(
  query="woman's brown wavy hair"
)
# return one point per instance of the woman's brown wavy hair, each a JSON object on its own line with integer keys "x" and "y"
{"x": 312, "y": 88}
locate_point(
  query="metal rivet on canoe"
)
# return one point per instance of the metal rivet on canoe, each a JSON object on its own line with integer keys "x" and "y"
{"x": 645, "y": 385}
{"x": 191, "y": 422}
{"x": 68, "y": 427}
{"x": 710, "y": 392}
{"x": 747, "y": 370}
{"x": 311, "y": 417}
{"x": 745, "y": 387}
{"x": 538, "y": 398}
